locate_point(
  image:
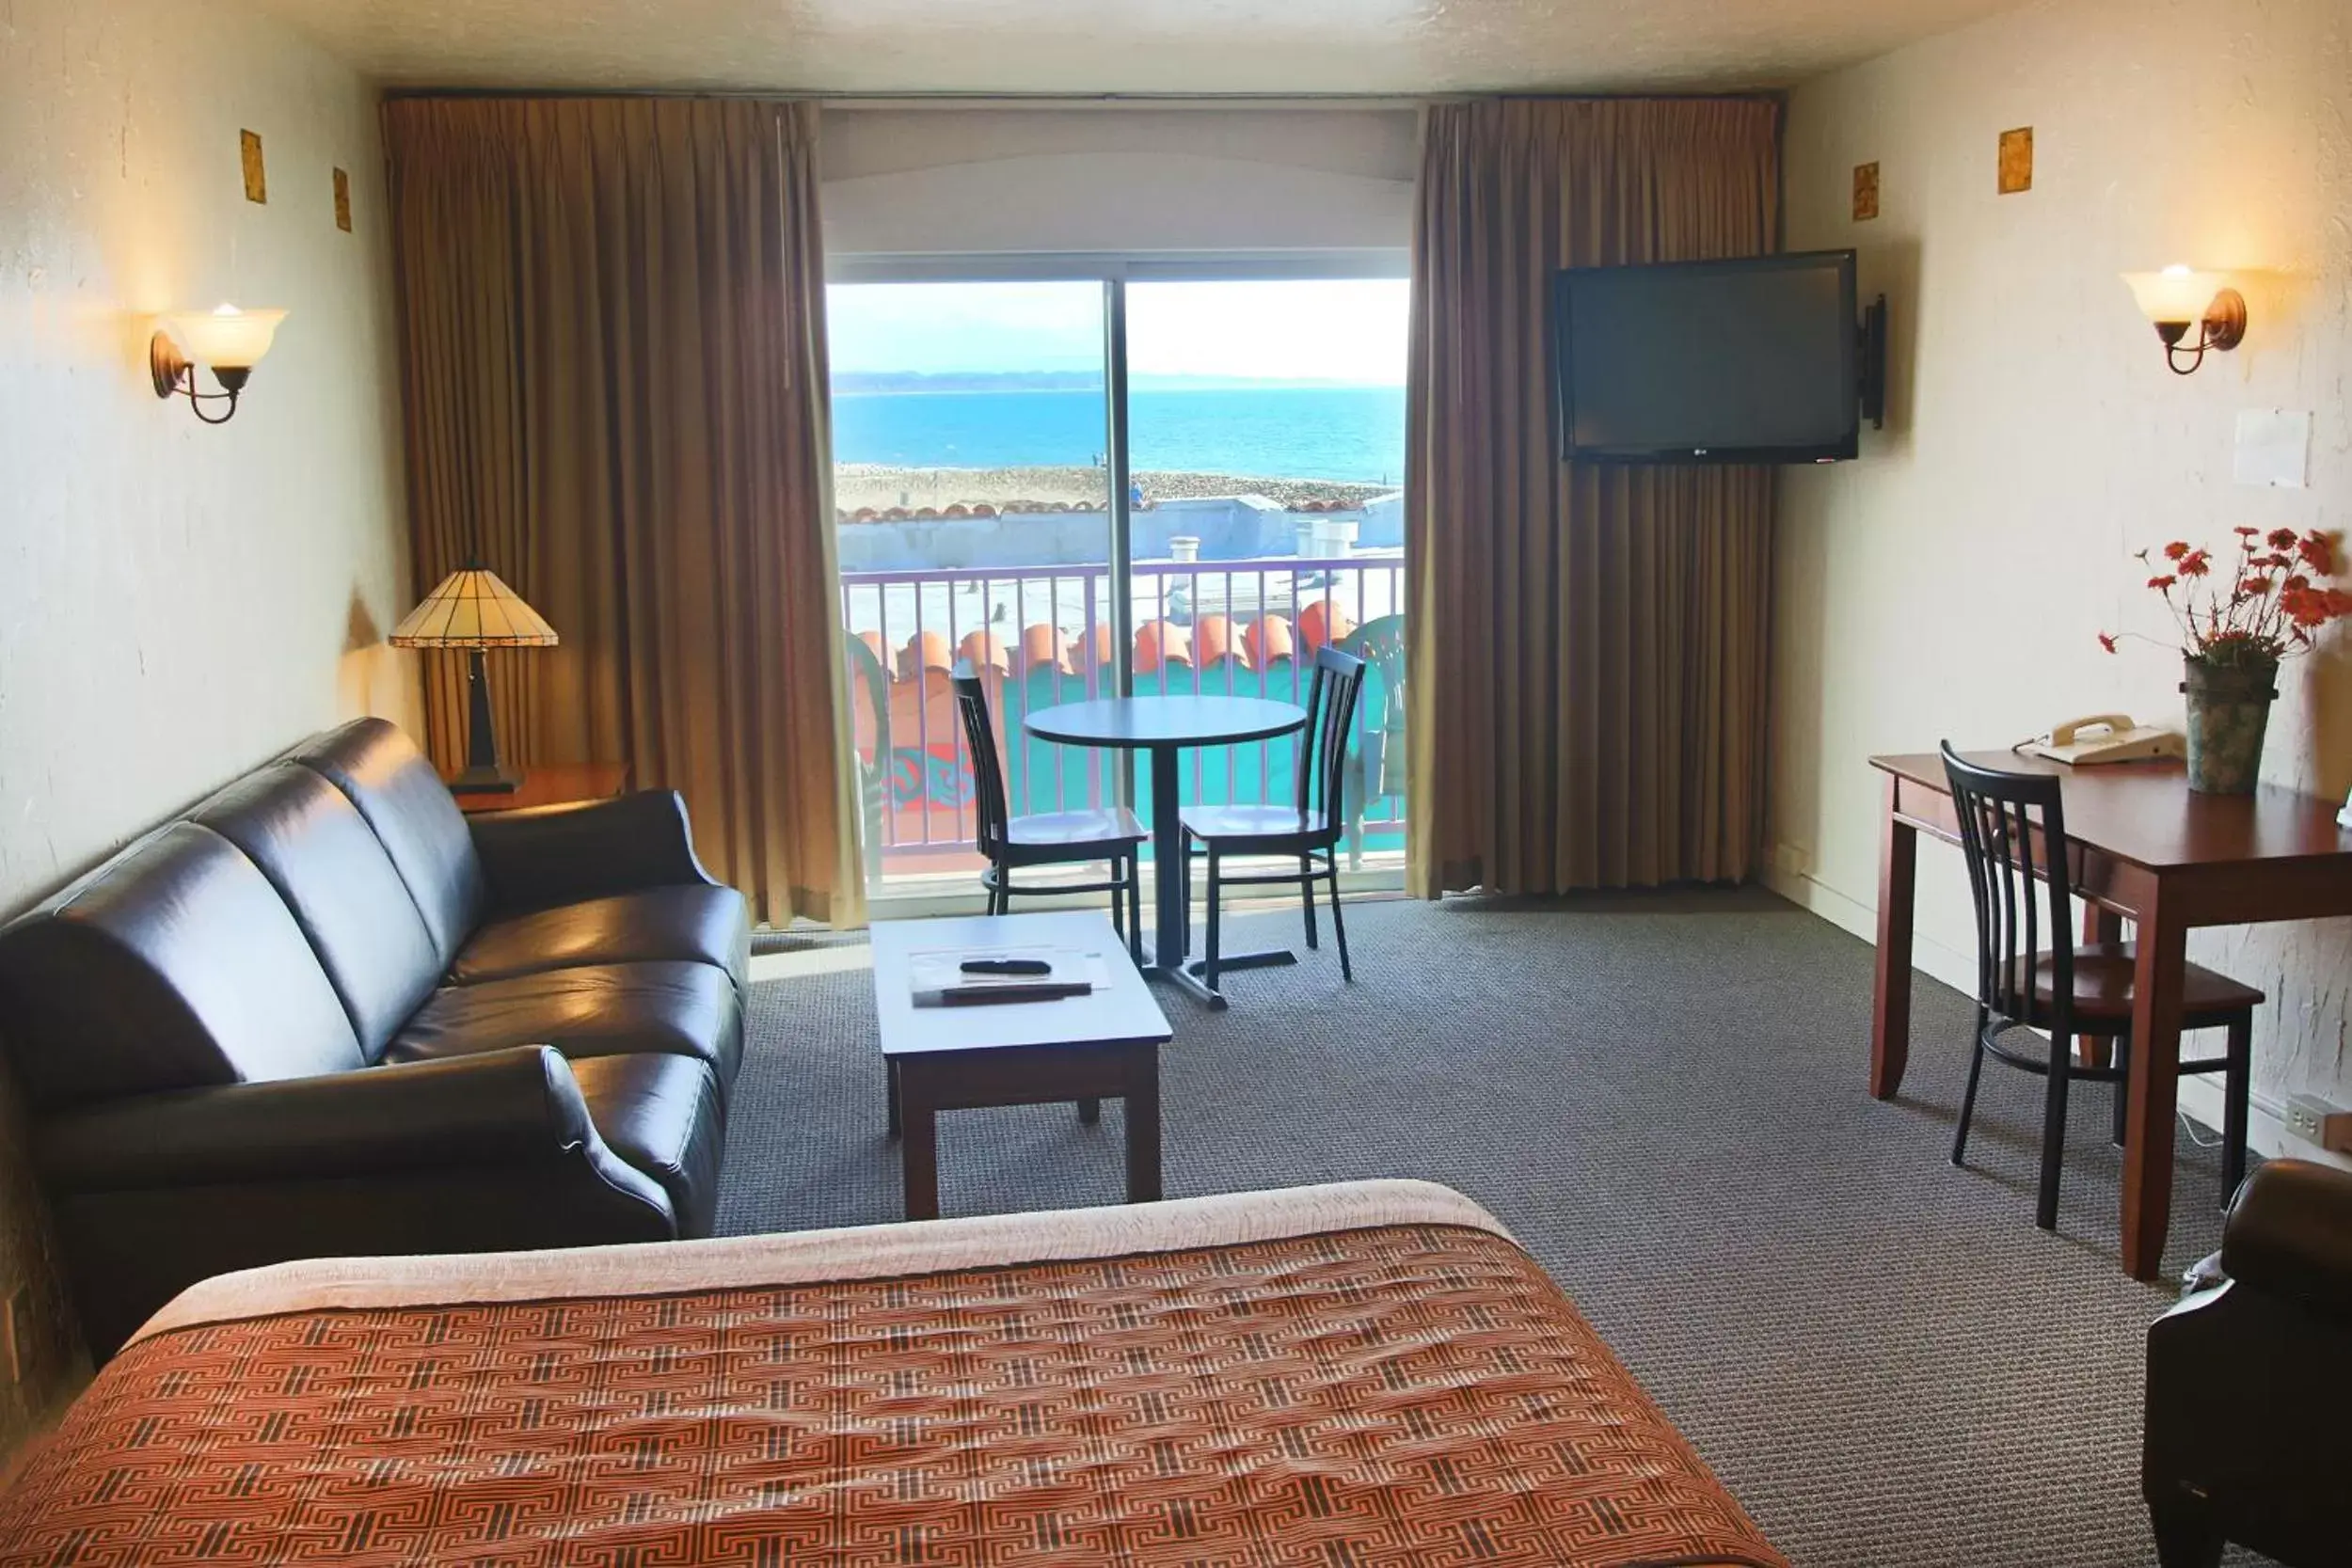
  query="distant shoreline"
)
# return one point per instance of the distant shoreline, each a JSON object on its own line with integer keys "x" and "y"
{"x": 1030, "y": 388}
{"x": 879, "y": 485}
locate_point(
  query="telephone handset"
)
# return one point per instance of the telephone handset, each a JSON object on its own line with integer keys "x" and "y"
{"x": 2105, "y": 738}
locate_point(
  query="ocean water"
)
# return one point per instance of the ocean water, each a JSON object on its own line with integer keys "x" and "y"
{"x": 1343, "y": 433}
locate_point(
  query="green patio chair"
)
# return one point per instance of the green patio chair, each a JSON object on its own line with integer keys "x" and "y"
{"x": 1378, "y": 757}
{"x": 870, "y": 682}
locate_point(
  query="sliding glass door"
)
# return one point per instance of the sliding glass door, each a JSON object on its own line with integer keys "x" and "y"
{"x": 1266, "y": 421}
{"x": 974, "y": 522}
{"x": 1125, "y": 478}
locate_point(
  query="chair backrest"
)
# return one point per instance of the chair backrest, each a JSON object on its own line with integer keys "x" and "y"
{"x": 2013, "y": 829}
{"x": 991, "y": 814}
{"x": 869, "y": 682}
{"x": 1323, "y": 744}
{"x": 1381, "y": 644}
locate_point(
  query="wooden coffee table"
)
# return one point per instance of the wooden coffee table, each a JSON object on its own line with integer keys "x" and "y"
{"x": 1104, "y": 1046}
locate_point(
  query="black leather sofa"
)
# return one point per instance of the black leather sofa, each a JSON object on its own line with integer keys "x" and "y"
{"x": 2249, "y": 1380}
{"x": 326, "y": 1014}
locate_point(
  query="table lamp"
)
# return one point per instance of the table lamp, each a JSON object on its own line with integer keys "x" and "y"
{"x": 472, "y": 609}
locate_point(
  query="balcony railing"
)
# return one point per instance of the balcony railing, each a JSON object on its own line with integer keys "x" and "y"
{"x": 1042, "y": 635}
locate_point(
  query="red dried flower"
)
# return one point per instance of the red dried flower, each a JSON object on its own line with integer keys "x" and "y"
{"x": 2267, "y": 605}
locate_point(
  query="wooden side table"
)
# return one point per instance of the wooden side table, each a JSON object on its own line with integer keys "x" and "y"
{"x": 552, "y": 783}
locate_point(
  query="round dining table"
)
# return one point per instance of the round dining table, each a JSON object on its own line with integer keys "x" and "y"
{"x": 1165, "y": 727}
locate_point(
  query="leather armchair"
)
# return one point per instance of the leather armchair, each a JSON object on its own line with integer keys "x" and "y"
{"x": 2249, "y": 1378}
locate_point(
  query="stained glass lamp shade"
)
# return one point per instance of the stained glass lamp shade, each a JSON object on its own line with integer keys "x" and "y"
{"x": 473, "y": 609}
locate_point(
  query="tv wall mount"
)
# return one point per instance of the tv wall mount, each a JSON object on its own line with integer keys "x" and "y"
{"x": 1870, "y": 378}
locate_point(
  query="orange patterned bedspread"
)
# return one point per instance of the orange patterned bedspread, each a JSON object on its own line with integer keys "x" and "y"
{"x": 1409, "y": 1394}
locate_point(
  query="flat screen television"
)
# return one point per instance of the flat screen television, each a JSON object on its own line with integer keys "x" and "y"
{"x": 1754, "y": 360}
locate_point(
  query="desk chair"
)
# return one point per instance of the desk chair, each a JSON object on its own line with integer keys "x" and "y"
{"x": 1047, "y": 838}
{"x": 2013, "y": 829}
{"x": 1311, "y": 826}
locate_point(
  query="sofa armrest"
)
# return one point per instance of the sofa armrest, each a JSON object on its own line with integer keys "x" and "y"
{"x": 500, "y": 1108}
{"x": 543, "y": 856}
{"x": 2290, "y": 1234}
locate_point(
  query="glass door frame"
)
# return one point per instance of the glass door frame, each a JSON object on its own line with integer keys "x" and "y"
{"x": 1114, "y": 271}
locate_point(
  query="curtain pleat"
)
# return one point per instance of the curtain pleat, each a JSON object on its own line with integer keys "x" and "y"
{"x": 1588, "y": 641}
{"x": 612, "y": 333}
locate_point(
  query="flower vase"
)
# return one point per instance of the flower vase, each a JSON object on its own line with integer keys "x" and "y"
{"x": 2229, "y": 708}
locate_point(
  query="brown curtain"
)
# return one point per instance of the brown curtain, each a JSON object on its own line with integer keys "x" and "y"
{"x": 1588, "y": 643}
{"x": 614, "y": 362}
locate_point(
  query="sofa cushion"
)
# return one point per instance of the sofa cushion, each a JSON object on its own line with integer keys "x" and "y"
{"x": 333, "y": 873}
{"x": 413, "y": 815}
{"x": 665, "y": 1115}
{"x": 175, "y": 965}
{"x": 697, "y": 924}
{"x": 681, "y": 1009}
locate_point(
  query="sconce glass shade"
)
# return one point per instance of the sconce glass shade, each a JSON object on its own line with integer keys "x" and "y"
{"x": 2177, "y": 295}
{"x": 225, "y": 339}
{"x": 473, "y": 608}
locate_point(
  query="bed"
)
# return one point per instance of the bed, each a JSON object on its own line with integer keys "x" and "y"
{"x": 1365, "y": 1374}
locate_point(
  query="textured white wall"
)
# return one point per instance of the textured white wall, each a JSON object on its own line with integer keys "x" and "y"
{"x": 1950, "y": 584}
{"x": 1073, "y": 180}
{"x": 176, "y": 602}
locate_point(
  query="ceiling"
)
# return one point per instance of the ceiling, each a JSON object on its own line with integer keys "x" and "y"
{"x": 1275, "y": 47}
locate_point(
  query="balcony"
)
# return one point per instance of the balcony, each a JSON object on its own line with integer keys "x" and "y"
{"x": 1245, "y": 621}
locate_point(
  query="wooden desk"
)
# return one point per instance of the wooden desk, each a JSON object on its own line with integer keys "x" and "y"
{"x": 2141, "y": 845}
{"x": 553, "y": 784}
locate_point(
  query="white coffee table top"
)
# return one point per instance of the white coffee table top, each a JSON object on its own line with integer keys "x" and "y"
{"x": 1124, "y": 1013}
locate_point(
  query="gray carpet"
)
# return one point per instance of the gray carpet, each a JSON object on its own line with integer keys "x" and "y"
{"x": 1663, "y": 1098}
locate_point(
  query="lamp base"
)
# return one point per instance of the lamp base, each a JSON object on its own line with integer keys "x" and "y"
{"x": 486, "y": 780}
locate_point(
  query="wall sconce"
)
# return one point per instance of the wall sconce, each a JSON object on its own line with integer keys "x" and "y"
{"x": 2178, "y": 298}
{"x": 229, "y": 340}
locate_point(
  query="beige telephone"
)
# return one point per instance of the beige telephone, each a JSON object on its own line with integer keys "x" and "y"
{"x": 2105, "y": 738}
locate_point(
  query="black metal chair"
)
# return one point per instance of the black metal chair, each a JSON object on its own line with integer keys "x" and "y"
{"x": 1312, "y": 825}
{"x": 2012, "y": 828}
{"x": 1047, "y": 838}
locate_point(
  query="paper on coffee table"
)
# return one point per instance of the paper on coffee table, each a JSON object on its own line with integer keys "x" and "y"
{"x": 937, "y": 975}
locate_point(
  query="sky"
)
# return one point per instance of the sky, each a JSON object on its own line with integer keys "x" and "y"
{"x": 1350, "y": 331}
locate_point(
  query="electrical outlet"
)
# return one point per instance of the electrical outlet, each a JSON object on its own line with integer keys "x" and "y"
{"x": 16, "y": 1321}
{"x": 2306, "y": 1117}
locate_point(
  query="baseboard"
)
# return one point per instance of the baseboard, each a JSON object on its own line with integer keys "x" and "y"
{"x": 2267, "y": 1132}
{"x": 1929, "y": 957}
{"x": 2200, "y": 1098}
